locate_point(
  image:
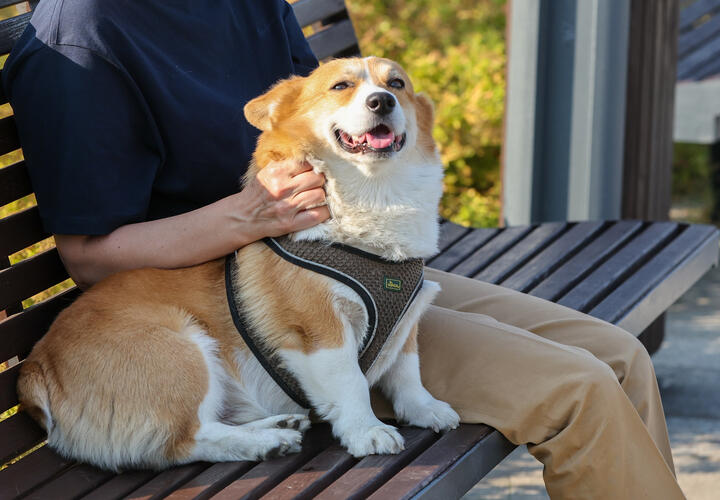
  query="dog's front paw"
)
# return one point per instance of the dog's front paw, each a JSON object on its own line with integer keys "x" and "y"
{"x": 376, "y": 440}
{"x": 434, "y": 414}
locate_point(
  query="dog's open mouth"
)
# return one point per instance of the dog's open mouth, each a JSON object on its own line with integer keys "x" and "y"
{"x": 377, "y": 140}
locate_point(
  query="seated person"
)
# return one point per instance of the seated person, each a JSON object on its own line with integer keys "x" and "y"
{"x": 130, "y": 115}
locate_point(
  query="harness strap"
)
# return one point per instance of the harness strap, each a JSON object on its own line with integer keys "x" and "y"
{"x": 265, "y": 356}
{"x": 394, "y": 284}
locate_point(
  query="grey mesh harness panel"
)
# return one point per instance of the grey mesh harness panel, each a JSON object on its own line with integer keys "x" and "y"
{"x": 386, "y": 288}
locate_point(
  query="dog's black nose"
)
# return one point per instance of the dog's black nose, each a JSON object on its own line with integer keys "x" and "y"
{"x": 381, "y": 103}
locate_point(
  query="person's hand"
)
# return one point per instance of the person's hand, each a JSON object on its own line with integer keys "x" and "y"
{"x": 284, "y": 197}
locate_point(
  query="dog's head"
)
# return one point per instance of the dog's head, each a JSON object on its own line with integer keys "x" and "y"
{"x": 362, "y": 111}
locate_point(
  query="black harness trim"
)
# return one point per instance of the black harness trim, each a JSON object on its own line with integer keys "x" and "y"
{"x": 242, "y": 328}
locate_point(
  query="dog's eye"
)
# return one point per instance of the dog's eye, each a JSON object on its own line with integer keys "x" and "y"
{"x": 396, "y": 83}
{"x": 341, "y": 85}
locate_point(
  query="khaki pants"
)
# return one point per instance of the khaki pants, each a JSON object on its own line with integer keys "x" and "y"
{"x": 580, "y": 392}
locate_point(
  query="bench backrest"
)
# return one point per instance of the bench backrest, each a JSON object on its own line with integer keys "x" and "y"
{"x": 30, "y": 264}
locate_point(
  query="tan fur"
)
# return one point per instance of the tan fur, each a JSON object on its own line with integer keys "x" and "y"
{"x": 126, "y": 333}
{"x": 120, "y": 357}
{"x": 411, "y": 343}
{"x": 287, "y": 299}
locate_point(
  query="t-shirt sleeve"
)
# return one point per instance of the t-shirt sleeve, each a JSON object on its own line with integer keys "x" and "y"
{"x": 304, "y": 61}
{"x": 91, "y": 148}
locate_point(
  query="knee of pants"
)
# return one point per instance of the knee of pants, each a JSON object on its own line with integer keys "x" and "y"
{"x": 583, "y": 399}
{"x": 596, "y": 390}
{"x": 632, "y": 359}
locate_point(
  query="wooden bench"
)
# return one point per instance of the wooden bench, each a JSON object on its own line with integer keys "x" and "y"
{"x": 626, "y": 272}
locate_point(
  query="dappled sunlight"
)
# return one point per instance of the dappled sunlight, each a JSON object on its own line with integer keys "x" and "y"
{"x": 714, "y": 346}
{"x": 696, "y": 451}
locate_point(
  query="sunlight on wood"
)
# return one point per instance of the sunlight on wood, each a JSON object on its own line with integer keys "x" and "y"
{"x": 21, "y": 456}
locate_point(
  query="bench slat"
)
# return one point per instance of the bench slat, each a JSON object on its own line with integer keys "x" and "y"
{"x": 693, "y": 65}
{"x": 433, "y": 462}
{"x": 33, "y": 470}
{"x": 76, "y": 480}
{"x": 211, "y": 480}
{"x": 334, "y": 40}
{"x": 456, "y": 253}
{"x": 121, "y": 485}
{"x": 468, "y": 469}
{"x": 19, "y": 434}
{"x": 31, "y": 276}
{"x": 597, "y": 251}
{"x": 692, "y": 40}
{"x": 597, "y": 285}
{"x": 522, "y": 251}
{"x": 11, "y": 29}
{"x": 164, "y": 483}
{"x": 486, "y": 254}
{"x": 20, "y": 230}
{"x": 6, "y": 3}
{"x": 9, "y": 140}
{"x": 266, "y": 475}
{"x": 20, "y": 332}
{"x": 311, "y": 11}
{"x": 3, "y": 97}
{"x": 553, "y": 256}
{"x": 372, "y": 471}
{"x": 694, "y": 11}
{"x": 8, "y": 382}
{"x": 624, "y": 298}
{"x": 14, "y": 182}
{"x": 450, "y": 233}
{"x": 314, "y": 476}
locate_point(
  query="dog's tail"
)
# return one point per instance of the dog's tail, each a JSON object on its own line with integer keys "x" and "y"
{"x": 33, "y": 394}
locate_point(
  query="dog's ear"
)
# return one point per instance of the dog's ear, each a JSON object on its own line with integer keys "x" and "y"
{"x": 425, "y": 112}
{"x": 424, "y": 108}
{"x": 263, "y": 111}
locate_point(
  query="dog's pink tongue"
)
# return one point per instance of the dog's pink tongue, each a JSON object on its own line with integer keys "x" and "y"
{"x": 379, "y": 138}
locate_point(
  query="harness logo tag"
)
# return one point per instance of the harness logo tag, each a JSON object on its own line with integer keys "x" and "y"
{"x": 392, "y": 284}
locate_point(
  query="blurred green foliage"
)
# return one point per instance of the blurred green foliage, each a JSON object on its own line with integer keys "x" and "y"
{"x": 692, "y": 191}
{"x": 454, "y": 51}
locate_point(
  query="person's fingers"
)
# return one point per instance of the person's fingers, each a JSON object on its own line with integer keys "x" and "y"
{"x": 309, "y": 198}
{"x": 311, "y": 217}
{"x": 283, "y": 179}
{"x": 306, "y": 181}
{"x": 296, "y": 167}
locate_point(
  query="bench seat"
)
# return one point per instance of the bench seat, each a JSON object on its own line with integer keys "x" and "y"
{"x": 625, "y": 272}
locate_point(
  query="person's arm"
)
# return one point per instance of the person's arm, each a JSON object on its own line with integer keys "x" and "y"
{"x": 285, "y": 197}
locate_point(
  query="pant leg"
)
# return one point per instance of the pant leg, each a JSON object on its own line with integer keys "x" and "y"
{"x": 620, "y": 350}
{"x": 563, "y": 401}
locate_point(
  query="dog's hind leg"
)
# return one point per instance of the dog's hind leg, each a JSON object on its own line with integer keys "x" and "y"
{"x": 290, "y": 421}
{"x": 218, "y": 442}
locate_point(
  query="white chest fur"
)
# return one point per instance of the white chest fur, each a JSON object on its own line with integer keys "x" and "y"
{"x": 389, "y": 208}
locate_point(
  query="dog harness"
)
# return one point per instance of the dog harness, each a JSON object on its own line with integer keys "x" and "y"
{"x": 386, "y": 288}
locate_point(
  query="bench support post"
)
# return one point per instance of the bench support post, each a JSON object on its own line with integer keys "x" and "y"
{"x": 565, "y": 110}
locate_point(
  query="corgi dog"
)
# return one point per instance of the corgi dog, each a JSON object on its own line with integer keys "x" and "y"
{"x": 147, "y": 369}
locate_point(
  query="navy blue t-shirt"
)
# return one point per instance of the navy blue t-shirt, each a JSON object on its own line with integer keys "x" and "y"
{"x": 132, "y": 110}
